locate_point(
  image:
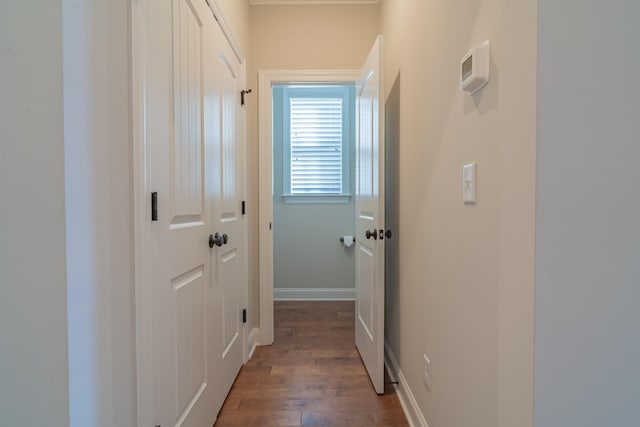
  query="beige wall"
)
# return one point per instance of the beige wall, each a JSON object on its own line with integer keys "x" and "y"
{"x": 298, "y": 38}
{"x": 463, "y": 288}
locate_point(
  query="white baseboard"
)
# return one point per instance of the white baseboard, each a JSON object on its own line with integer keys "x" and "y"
{"x": 314, "y": 294}
{"x": 253, "y": 341}
{"x": 405, "y": 396}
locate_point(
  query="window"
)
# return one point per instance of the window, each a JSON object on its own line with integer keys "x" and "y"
{"x": 316, "y": 143}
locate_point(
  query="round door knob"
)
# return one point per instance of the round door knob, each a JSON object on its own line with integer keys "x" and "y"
{"x": 388, "y": 234}
{"x": 369, "y": 234}
{"x": 215, "y": 240}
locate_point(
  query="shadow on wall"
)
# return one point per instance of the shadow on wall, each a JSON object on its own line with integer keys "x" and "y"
{"x": 392, "y": 194}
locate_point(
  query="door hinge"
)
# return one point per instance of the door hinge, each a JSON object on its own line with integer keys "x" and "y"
{"x": 244, "y": 92}
{"x": 244, "y": 207}
{"x": 244, "y": 315}
{"x": 154, "y": 206}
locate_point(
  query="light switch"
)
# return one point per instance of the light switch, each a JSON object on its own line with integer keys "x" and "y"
{"x": 469, "y": 183}
{"x": 426, "y": 374}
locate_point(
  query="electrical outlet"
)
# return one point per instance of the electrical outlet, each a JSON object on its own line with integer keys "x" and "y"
{"x": 426, "y": 374}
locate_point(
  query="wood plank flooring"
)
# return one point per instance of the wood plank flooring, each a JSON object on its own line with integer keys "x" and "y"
{"x": 311, "y": 376}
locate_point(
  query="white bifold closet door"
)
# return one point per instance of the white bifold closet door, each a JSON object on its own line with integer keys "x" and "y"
{"x": 193, "y": 128}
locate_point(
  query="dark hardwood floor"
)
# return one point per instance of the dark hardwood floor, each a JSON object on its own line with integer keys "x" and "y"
{"x": 311, "y": 376}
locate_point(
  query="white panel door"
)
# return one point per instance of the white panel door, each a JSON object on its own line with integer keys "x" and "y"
{"x": 179, "y": 168}
{"x": 370, "y": 216}
{"x": 226, "y": 197}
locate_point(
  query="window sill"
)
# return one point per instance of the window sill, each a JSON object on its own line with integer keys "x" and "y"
{"x": 333, "y": 199}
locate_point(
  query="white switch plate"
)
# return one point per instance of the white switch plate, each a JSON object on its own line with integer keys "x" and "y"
{"x": 469, "y": 183}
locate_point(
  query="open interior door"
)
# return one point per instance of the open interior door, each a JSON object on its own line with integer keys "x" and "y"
{"x": 370, "y": 216}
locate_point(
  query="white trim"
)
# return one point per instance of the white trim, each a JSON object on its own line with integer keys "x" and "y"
{"x": 405, "y": 396}
{"x": 305, "y": 2}
{"x": 218, "y": 14}
{"x": 314, "y": 294}
{"x": 266, "y": 79}
{"x": 253, "y": 342}
{"x": 142, "y": 265}
{"x": 246, "y": 349}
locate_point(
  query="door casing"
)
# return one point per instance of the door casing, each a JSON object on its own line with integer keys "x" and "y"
{"x": 266, "y": 80}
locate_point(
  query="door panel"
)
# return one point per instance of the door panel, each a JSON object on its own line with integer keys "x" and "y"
{"x": 228, "y": 119}
{"x": 226, "y": 185}
{"x": 230, "y": 296}
{"x": 191, "y": 337}
{"x": 365, "y": 298}
{"x": 180, "y": 40}
{"x": 188, "y": 223}
{"x": 370, "y": 217}
{"x": 187, "y": 155}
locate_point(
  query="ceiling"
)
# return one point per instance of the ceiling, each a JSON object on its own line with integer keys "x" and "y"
{"x": 281, "y": 2}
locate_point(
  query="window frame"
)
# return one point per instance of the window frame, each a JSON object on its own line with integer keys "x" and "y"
{"x": 344, "y": 92}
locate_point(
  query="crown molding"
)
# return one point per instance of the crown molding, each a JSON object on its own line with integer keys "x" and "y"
{"x": 308, "y": 2}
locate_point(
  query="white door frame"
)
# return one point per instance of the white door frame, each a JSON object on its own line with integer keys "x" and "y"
{"x": 142, "y": 197}
{"x": 266, "y": 80}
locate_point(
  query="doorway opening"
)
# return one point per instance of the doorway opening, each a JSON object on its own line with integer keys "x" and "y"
{"x": 278, "y": 198}
{"x": 369, "y": 203}
{"x": 313, "y": 183}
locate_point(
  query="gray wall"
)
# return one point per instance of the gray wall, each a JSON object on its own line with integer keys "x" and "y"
{"x": 307, "y": 252}
{"x": 66, "y": 311}
{"x": 587, "y": 340}
{"x": 33, "y": 315}
{"x": 98, "y": 159}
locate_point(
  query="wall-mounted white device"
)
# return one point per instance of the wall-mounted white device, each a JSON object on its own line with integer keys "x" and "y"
{"x": 474, "y": 68}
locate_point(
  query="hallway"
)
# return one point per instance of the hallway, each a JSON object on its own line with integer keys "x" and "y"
{"x": 311, "y": 376}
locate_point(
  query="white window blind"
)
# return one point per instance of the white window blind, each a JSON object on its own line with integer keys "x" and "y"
{"x": 316, "y": 145}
